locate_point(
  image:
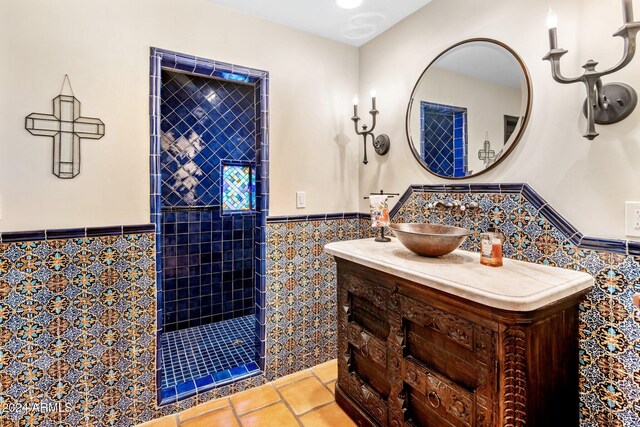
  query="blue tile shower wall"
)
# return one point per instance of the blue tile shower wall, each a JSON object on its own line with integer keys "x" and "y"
{"x": 207, "y": 266}
{"x": 204, "y": 122}
{"x": 207, "y": 256}
{"x": 443, "y": 140}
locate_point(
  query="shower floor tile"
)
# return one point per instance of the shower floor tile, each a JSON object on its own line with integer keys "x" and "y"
{"x": 208, "y": 355}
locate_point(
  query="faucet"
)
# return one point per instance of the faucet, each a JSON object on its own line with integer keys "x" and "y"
{"x": 456, "y": 204}
{"x": 436, "y": 204}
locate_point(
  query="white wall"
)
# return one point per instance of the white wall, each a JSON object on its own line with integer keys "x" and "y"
{"x": 104, "y": 47}
{"x": 486, "y": 103}
{"x": 587, "y": 182}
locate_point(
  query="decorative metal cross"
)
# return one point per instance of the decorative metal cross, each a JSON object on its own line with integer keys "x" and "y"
{"x": 66, "y": 127}
{"x": 486, "y": 154}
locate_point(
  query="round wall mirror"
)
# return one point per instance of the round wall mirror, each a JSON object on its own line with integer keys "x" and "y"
{"x": 469, "y": 108}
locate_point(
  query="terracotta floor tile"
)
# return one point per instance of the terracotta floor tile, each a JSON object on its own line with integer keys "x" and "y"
{"x": 254, "y": 398}
{"x": 332, "y": 386}
{"x": 221, "y": 418}
{"x": 273, "y": 415}
{"x": 169, "y": 421}
{"x": 203, "y": 407}
{"x": 306, "y": 394}
{"x": 327, "y": 371}
{"x": 330, "y": 416}
{"x": 291, "y": 378}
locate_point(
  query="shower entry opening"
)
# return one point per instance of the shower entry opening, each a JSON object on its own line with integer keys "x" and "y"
{"x": 209, "y": 202}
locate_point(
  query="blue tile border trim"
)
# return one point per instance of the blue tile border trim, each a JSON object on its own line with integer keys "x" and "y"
{"x": 211, "y": 208}
{"x": 633, "y": 248}
{"x": 607, "y": 245}
{"x": 22, "y": 236}
{"x": 619, "y": 246}
{"x": 200, "y": 385}
{"x": 511, "y": 188}
{"x": 259, "y": 79}
{"x": 103, "y": 231}
{"x": 557, "y": 220}
{"x": 317, "y": 217}
{"x": 74, "y": 233}
{"x": 402, "y": 200}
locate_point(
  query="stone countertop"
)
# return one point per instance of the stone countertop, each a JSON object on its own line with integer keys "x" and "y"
{"x": 516, "y": 286}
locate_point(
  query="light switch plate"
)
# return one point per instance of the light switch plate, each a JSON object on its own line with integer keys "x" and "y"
{"x": 632, "y": 219}
{"x": 301, "y": 199}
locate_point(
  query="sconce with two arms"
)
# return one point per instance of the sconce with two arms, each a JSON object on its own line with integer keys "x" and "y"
{"x": 605, "y": 103}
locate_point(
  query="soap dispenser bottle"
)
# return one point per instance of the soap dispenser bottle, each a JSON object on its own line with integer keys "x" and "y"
{"x": 491, "y": 248}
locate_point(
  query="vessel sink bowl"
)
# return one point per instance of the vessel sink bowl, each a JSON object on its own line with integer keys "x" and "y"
{"x": 430, "y": 240}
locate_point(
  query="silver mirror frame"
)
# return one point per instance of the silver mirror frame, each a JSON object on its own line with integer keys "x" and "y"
{"x": 525, "y": 120}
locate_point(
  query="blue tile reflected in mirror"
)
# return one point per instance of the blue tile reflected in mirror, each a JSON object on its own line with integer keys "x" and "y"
{"x": 443, "y": 143}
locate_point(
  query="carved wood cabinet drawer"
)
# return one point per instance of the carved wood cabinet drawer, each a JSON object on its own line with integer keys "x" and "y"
{"x": 433, "y": 396}
{"x": 411, "y": 356}
{"x": 364, "y": 326}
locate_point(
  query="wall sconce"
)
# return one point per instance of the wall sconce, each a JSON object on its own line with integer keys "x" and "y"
{"x": 381, "y": 142}
{"x": 605, "y": 104}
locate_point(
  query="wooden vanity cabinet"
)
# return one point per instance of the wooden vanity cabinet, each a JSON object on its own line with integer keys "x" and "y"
{"x": 409, "y": 355}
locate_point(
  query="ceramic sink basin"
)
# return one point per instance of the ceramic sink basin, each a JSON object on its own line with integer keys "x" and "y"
{"x": 430, "y": 240}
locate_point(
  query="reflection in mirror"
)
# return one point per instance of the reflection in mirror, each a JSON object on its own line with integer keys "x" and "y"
{"x": 469, "y": 108}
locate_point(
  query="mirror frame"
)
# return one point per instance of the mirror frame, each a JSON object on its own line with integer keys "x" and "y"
{"x": 525, "y": 122}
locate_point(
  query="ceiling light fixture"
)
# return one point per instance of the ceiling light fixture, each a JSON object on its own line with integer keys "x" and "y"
{"x": 348, "y": 4}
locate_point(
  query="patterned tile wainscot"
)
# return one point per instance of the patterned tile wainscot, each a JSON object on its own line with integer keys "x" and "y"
{"x": 78, "y": 318}
{"x": 301, "y": 290}
{"x": 78, "y": 309}
{"x": 609, "y": 324}
{"x": 77, "y": 327}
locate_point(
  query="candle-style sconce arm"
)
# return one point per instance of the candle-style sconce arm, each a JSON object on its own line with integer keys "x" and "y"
{"x": 628, "y": 32}
{"x": 381, "y": 143}
{"x": 554, "y": 57}
{"x": 605, "y": 103}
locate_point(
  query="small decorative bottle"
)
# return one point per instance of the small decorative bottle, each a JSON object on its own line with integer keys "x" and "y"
{"x": 491, "y": 248}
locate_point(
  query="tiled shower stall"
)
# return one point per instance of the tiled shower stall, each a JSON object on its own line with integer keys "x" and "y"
{"x": 209, "y": 206}
{"x": 208, "y": 134}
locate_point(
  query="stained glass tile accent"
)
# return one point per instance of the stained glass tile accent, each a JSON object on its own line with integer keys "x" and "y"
{"x": 253, "y": 187}
{"x": 237, "y": 185}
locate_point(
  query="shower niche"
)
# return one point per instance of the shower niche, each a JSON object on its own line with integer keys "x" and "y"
{"x": 209, "y": 203}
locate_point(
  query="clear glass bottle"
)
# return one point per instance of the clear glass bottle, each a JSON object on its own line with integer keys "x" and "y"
{"x": 491, "y": 248}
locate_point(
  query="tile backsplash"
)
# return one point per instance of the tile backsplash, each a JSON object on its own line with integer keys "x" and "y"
{"x": 609, "y": 323}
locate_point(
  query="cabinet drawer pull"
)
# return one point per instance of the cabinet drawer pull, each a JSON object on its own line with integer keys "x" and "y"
{"x": 364, "y": 349}
{"x": 433, "y": 397}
